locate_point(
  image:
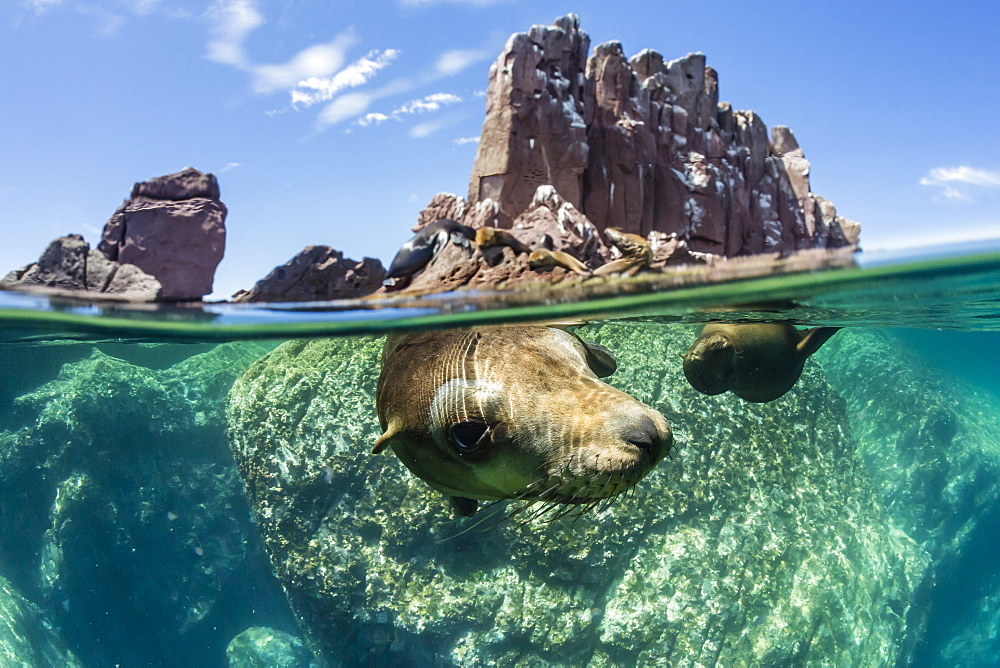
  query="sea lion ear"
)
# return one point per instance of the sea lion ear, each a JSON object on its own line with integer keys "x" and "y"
{"x": 600, "y": 360}
{"x": 463, "y": 506}
{"x": 812, "y": 339}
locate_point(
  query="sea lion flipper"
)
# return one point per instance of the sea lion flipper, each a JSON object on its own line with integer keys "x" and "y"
{"x": 383, "y": 441}
{"x": 812, "y": 339}
{"x": 463, "y": 506}
{"x": 600, "y": 360}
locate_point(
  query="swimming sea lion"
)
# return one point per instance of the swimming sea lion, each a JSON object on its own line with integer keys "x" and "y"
{"x": 636, "y": 253}
{"x": 514, "y": 413}
{"x": 541, "y": 258}
{"x": 416, "y": 253}
{"x": 758, "y": 362}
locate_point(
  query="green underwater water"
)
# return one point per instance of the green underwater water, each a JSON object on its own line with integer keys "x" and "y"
{"x": 853, "y": 521}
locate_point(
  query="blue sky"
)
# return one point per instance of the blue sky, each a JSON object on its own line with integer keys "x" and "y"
{"x": 334, "y": 122}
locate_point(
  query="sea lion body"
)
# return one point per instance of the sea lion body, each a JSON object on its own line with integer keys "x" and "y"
{"x": 489, "y": 237}
{"x": 513, "y": 412}
{"x": 636, "y": 253}
{"x": 416, "y": 253}
{"x": 542, "y": 258}
{"x": 758, "y": 362}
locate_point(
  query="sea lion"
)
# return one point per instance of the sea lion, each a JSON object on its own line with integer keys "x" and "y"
{"x": 416, "y": 253}
{"x": 488, "y": 237}
{"x": 514, "y": 413}
{"x": 758, "y": 362}
{"x": 636, "y": 253}
{"x": 542, "y": 258}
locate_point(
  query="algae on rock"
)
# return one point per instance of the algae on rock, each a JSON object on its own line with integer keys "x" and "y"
{"x": 760, "y": 542}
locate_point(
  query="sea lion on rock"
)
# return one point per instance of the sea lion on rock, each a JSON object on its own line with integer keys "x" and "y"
{"x": 514, "y": 413}
{"x": 543, "y": 258}
{"x": 636, "y": 253}
{"x": 489, "y": 237}
{"x": 758, "y": 362}
{"x": 416, "y": 253}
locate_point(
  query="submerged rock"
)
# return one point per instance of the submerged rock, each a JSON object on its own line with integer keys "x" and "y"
{"x": 259, "y": 647}
{"x": 27, "y": 636}
{"x": 122, "y": 515}
{"x": 762, "y": 542}
{"x": 932, "y": 447}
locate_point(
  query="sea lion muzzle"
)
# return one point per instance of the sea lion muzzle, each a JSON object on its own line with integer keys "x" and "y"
{"x": 514, "y": 413}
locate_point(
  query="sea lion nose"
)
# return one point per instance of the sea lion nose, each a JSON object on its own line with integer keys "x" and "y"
{"x": 644, "y": 436}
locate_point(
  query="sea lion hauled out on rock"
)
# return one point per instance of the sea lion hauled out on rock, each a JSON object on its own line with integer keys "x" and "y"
{"x": 416, "y": 253}
{"x": 758, "y": 362}
{"x": 514, "y": 413}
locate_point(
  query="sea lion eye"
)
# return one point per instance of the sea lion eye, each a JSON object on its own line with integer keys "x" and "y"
{"x": 467, "y": 436}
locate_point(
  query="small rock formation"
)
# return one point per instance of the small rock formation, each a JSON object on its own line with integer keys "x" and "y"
{"x": 69, "y": 266}
{"x": 260, "y": 646}
{"x": 172, "y": 227}
{"x": 643, "y": 145}
{"x": 317, "y": 273}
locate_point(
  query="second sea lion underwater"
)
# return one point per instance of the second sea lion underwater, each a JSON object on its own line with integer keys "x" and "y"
{"x": 516, "y": 413}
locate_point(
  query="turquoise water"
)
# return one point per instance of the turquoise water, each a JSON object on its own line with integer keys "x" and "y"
{"x": 171, "y": 477}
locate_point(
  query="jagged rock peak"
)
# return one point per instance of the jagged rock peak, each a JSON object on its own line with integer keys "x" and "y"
{"x": 642, "y": 144}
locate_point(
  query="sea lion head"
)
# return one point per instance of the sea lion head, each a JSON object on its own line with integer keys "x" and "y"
{"x": 710, "y": 365}
{"x": 514, "y": 412}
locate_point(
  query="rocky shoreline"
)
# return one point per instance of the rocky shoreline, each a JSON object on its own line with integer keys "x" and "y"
{"x": 587, "y": 166}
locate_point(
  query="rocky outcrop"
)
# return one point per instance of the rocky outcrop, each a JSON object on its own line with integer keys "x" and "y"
{"x": 69, "y": 267}
{"x": 644, "y": 145}
{"x": 318, "y": 273}
{"x": 762, "y": 542}
{"x": 259, "y": 647}
{"x": 173, "y": 228}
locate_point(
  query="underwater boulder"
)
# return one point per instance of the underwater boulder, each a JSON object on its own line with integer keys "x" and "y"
{"x": 260, "y": 647}
{"x": 27, "y": 636}
{"x": 122, "y": 514}
{"x": 761, "y": 542}
{"x": 931, "y": 445}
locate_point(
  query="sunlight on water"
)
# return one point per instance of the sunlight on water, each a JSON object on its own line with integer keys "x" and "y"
{"x": 177, "y": 481}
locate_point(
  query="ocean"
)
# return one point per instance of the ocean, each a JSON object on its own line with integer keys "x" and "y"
{"x": 196, "y": 485}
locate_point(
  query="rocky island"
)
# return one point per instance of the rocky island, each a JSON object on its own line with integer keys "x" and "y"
{"x": 590, "y": 164}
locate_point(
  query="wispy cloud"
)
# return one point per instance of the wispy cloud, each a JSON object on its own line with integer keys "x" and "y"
{"x": 453, "y": 62}
{"x": 962, "y": 183}
{"x": 231, "y": 22}
{"x": 422, "y": 105}
{"x": 41, "y": 6}
{"x": 426, "y": 129}
{"x": 475, "y": 3}
{"x": 312, "y": 90}
{"x": 466, "y": 140}
{"x": 229, "y": 166}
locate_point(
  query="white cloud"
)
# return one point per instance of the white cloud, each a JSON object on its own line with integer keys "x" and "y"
{"x": 373, "y": 118}
{"x": 232, "y": 21}
{"x": 421, "y": 130}
{"x": 312, "y": 90}
{"x": 423, "y": 3}
{"x": 467, "y": 140}
{"x": 962, "y": 183}
{"x": 453, "y": 62}
{"x": 345, "y": 107}
{"x": 428, "y": 103}
{"x": 229, "y": 166}
{"x": 142, "y": 7}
